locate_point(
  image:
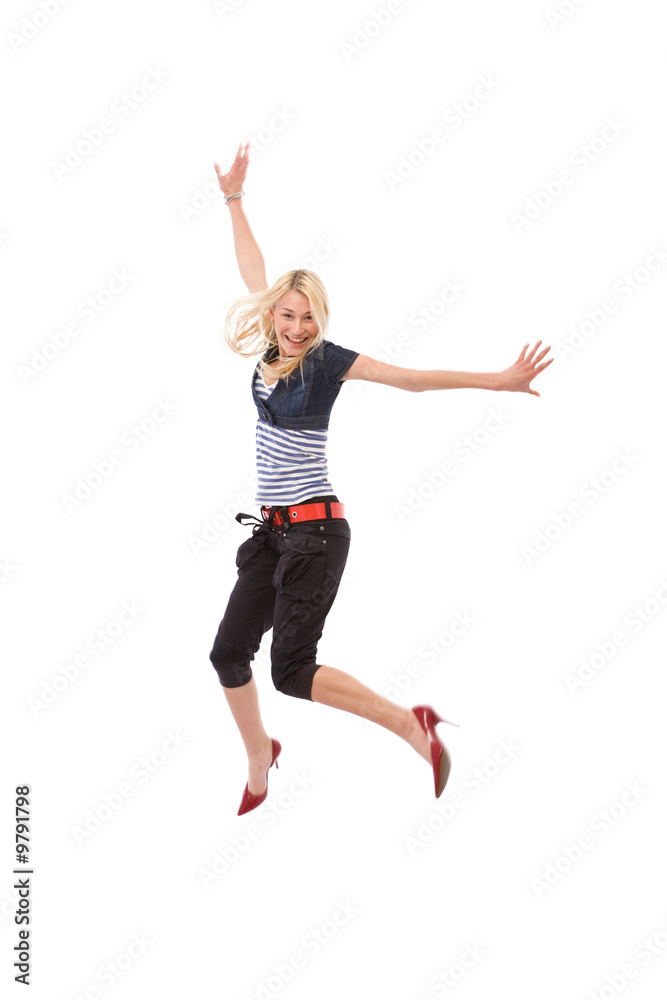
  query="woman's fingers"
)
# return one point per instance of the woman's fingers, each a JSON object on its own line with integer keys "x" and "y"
{"x": 241, "y": 154}
{"x": 235, "y": 175}
{"x": 542, "y": 353}
{"x": 529, "y": 357}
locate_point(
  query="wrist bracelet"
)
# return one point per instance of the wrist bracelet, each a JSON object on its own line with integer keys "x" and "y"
{"x": 230, "y": 197}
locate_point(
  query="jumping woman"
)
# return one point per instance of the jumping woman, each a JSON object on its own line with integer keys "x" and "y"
{"x": 289, "y": 569}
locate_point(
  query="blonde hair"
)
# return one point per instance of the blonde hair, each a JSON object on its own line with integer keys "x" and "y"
{"x": 248, "y": 328}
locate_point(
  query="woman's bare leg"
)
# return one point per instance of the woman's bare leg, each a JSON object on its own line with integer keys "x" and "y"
{"x": 331, "y": 687}
{"x": 244, "y": 704}
{"x": 340, "y": 690}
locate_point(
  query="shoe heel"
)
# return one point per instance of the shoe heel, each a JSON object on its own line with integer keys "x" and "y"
{"x": 438, "y": 718}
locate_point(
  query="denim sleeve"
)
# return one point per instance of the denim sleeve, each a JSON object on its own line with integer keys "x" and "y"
{"x": 337, "y": 360}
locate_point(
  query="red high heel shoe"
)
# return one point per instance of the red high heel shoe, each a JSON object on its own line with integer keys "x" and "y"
{"x": 442, "y": 764}
{"x": 250, "y": 800}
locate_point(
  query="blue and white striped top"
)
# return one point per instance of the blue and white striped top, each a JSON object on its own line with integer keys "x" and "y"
{"x": 291, "y": 464}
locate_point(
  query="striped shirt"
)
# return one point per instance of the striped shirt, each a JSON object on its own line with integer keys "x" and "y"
{"x": 291, "y": 464}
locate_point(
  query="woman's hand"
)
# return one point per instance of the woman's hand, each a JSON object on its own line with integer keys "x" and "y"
{"x": 232, "y": 181}
{"x": 517, "y": 377}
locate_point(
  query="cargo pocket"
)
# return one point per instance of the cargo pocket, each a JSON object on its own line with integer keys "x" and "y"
{"x": 248, "y": 551}
{"x": 300, "y": 570}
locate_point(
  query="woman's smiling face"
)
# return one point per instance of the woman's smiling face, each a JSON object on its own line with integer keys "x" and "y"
{"x": 294, "y": 324}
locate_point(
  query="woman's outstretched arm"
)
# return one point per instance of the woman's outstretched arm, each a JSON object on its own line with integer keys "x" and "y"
{"x": 516, "y": 378}
{"x": 248, "y": 254}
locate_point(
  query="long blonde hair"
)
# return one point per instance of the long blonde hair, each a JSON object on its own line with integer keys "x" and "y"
{"x": 248, "y": 328}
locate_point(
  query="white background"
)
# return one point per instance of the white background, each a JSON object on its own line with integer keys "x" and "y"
{"x": 488, "y": 896}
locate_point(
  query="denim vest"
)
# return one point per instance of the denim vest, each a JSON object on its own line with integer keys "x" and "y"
{"x": 306, "y": 404}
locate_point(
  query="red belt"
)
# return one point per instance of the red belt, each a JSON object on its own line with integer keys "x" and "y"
{"x": 303, "y": 512}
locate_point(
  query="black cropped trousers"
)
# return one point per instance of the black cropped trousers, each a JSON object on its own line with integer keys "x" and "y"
{"x": 287, "y": 579}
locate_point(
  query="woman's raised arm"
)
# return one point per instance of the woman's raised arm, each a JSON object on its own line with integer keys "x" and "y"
{"x": 248, "y": 254}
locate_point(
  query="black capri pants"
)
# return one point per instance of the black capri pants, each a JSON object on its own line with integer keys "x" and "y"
{"x": 288, "y": 577}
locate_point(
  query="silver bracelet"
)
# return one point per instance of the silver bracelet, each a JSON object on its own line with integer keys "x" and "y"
{"x": 230, "y": 197}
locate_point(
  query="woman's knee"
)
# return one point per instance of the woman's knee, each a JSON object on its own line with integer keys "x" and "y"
{"x": 294, "y": 679}
{"x": 230, "y": 664}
